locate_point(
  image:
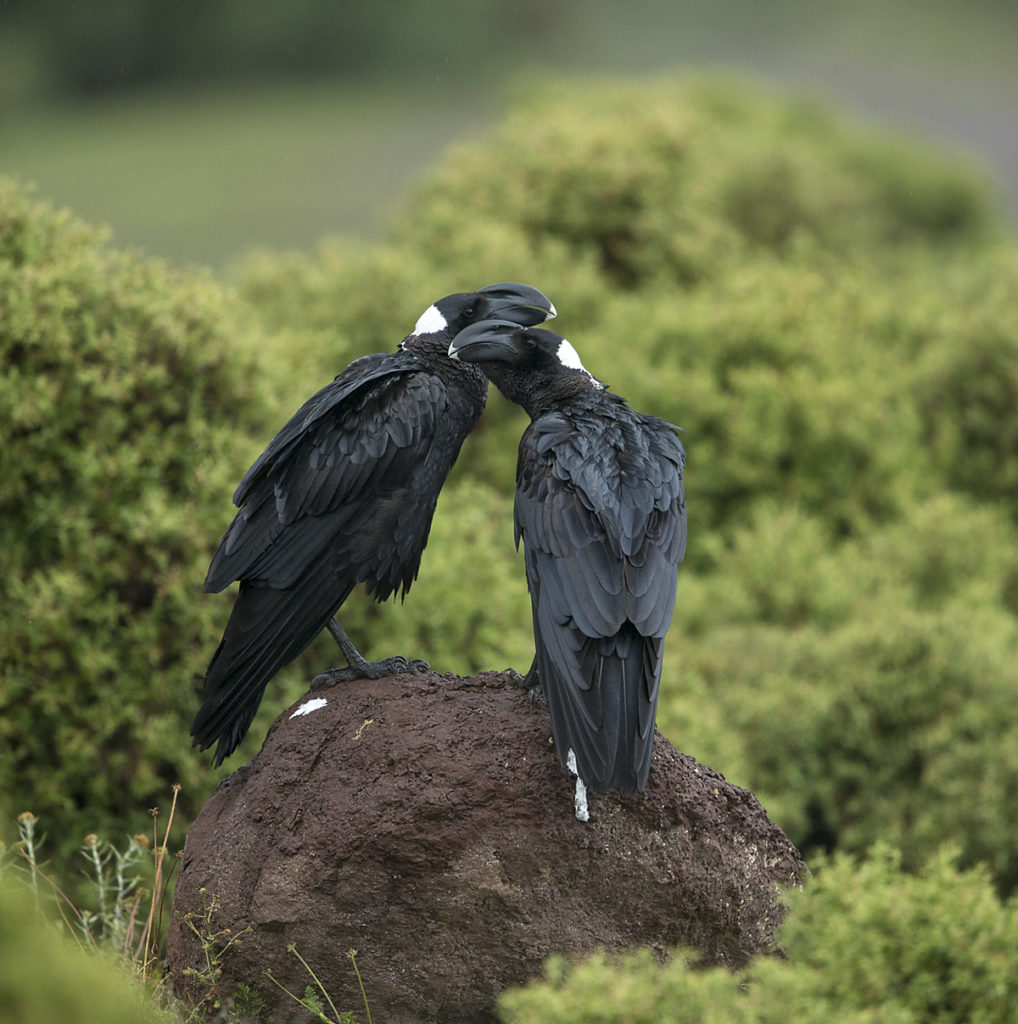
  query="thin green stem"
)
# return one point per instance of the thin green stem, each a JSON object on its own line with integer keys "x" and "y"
{"x": 352, "y": 954}
{"x": 314, "y": 977}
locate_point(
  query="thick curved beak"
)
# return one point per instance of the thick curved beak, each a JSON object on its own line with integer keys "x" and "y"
{"x": 519, "y": 303}
{"x": 489, "y": 341}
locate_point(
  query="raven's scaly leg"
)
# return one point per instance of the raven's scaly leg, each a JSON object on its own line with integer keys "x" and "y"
{"x": 359, "y": 668}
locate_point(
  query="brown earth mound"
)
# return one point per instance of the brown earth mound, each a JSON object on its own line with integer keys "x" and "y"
{"x": 425, "y": 822}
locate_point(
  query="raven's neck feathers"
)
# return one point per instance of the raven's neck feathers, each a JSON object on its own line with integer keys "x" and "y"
{"x": 432, "y": 350}
{"x": 543, "y": 392}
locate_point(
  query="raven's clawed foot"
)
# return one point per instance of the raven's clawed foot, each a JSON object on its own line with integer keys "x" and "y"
{"x": 361, "y": 669}
{"x": 333, "y": 676}
{"x": 519, "y": 681}
{"x": 530, "y": 682}
{"x": 357, "y": 667}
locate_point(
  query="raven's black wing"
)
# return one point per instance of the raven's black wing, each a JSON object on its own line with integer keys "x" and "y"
{"x": 346, "y": 445}
{"x": 344, "y": 494}
{"x": 600, "y": 509}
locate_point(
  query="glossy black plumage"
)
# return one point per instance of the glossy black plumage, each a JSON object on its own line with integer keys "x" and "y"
{"x": 601, "y": 512}
{"x": 344, "y": 494}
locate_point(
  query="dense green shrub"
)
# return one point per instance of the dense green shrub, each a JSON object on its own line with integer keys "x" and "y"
{"x": 967, "y": 379}
{"x": 862, "y": 942}
{"x": 676, "y": 182}
{"x": 125, "y": 406}
{"x": 860, "y": 689}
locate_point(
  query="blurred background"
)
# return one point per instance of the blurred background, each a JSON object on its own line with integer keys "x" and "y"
{"x": 199, "y": 130}
{"x": 807, "y": 261}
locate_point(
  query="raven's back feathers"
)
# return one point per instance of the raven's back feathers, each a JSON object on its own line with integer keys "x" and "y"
{"x": 600, "y": 509}
{"x": 344, "y": 494}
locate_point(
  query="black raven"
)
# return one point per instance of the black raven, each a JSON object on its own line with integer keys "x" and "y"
{"x": 601, "y": 511}
{"x": 344, "y": 494}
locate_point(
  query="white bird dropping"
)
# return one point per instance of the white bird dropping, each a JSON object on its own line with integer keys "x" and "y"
{"x": 310, "y": 705}
{"x": 580, "y": 798}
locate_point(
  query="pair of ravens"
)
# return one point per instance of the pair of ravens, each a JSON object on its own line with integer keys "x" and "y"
{"x": 345, "y": 493}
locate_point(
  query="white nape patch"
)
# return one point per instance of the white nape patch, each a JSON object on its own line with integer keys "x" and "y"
{"x": 580, "y": 798}
{"x": 310, "y": 705}
{"x": 568, "y": 356}
{"x": 431, "y": 321}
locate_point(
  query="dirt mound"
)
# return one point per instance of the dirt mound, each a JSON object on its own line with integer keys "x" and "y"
{"x": 425, "y": 822}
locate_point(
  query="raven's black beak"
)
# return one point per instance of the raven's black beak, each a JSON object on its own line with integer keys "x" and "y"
{"x": 489, "y": 341}
{"x": 519, "y": 303}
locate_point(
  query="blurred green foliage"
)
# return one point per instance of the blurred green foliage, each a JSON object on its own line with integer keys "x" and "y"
{"x": 45, "y": 977}
{"x": 723, "y": 175}
{"x": 863, "y": 942}
{"x": 121, "y": 44}
{"x": 828, "y": 313}
{"x": 125, "y": 401}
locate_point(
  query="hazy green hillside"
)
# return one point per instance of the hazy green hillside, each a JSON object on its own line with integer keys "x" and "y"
{"x": 829, "y": 315}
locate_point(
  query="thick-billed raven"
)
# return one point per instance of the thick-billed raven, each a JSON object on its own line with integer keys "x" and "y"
{"x": 344, "y": 494}
{"x": 601, "y": 512}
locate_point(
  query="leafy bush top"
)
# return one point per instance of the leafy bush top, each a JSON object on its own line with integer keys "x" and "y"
{"x": 125, "y": 407}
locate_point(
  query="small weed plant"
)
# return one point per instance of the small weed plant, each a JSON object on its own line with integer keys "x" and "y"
{"x": 119, "y": 919}
{"x": 125, "y": 918}
{"x": 215, "y": 943}
{"x": 316, "y": 997}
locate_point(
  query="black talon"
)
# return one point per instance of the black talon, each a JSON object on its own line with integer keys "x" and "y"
{"x": 517, "y": 680}
{"x": 358, "y": 667}
{"x": 530, "y": 682}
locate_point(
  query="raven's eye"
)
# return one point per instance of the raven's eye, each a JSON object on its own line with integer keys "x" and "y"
{"x": 470, "y": 312}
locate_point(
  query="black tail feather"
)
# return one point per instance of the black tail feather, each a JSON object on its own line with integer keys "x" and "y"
{"x": 604, "y": 710}
{"x": 267, "y": 629}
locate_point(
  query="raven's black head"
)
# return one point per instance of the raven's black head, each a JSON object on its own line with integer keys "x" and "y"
{"x": 523, "y": 362}
{"x": 509, "y": 301}
{"x": 524, "y": 347}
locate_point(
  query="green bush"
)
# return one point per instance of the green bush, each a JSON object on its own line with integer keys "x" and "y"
{"x": 967, "y": 380}
{"x": 125, "y": 405}
{"x": 862, "y": 942}
{"x": 860, "y": 689}
{"x": 677, "y": 181}
{"x": 45, "y": 977}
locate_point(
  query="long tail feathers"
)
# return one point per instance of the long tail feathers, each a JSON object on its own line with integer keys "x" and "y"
{"x": 629, "y": 742}
{"x": 604, "y": 710}
{"x": 267, "y": 629}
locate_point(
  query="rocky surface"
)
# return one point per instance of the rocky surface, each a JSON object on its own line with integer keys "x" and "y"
{"x": 425, "y": 822}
